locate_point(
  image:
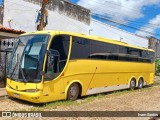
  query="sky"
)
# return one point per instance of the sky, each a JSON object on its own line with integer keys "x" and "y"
{"x": 142, "y": 16}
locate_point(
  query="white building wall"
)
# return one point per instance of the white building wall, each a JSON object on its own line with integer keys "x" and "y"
{"x": 21, "y": 15}
{"x": 108, "y": 31}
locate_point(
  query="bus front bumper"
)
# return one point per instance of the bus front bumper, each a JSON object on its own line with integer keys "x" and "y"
{"x": 34, "y": 97}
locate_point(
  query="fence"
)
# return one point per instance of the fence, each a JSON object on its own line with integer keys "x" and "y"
{"x": 4, "y": 60}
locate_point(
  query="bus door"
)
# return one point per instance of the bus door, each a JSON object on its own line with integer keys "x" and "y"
{"x": 55, "y": 63}
{"x": 52, "y": 65}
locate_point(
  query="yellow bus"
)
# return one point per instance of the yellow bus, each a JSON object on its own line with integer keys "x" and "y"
{"x": 55, "y": 65}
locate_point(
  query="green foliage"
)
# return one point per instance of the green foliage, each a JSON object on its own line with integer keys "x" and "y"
{"x": 157, "y": 66}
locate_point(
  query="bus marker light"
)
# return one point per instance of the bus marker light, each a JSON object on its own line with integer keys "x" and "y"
{"x": 62, "y": 74}
{"x": 45, "y": 95}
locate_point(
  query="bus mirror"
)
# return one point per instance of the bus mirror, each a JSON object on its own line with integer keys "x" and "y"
{"x": 52, "y": 52}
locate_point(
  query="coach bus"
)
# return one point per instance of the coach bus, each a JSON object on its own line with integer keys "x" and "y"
{"x": 47, "y": 66}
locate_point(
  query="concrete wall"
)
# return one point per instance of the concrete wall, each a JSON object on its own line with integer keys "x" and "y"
{"x": 19, "y": 14}
{"x": 155, "y": 45}
{"x": 1, "y": 14}
{"x": 108, "y": 31}
{"x": 22, "y": 15}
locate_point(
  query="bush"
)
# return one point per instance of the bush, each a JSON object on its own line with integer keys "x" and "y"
{"x": 157, "y": 66}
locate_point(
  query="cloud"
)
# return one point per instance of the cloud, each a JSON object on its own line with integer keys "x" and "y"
{"x": 118, "y": 10}
{"x": 151, "y": 27}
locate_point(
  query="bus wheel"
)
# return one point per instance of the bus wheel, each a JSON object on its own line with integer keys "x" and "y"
{"x": 140, "y": 83}
{"x": 133, "y": 84}
{"x": 73, "y": 92}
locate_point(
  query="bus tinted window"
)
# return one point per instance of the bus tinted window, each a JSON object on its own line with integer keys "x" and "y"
{"x": 80, "y": 48}
{"x": 92, "y": 49}
{"x": 61, "y": 44}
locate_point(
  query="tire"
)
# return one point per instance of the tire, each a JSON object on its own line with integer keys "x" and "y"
{"x": 132, "y": 84}
{"x": 73, "y": 92}
{"x": 140, "y": 83}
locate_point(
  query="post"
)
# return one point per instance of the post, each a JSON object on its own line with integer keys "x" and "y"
{"x": 44, "y": 2}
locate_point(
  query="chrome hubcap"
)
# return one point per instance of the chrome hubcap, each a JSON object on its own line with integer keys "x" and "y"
{"x": 140, "y": 83}
{"x": 73, "y": 91}
{"x": 132, "y": 84}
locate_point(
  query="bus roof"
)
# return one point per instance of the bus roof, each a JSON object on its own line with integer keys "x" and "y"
{"x": 93, "y": 37}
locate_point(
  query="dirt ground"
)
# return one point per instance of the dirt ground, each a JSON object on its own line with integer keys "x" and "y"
{"x": 146, "y": 99}
{"x": 2, "y": 84}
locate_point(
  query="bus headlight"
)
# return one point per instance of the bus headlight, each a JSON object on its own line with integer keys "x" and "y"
{"x": 32, "y": 90}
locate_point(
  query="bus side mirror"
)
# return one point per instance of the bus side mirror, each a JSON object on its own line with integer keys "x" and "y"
{"x": 52, "y": 52}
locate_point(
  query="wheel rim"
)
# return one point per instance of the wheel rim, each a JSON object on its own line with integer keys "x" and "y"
{"x": 73, "y": 92}
{"x": 132, "y": 84}
{"x": 140, "y": 83}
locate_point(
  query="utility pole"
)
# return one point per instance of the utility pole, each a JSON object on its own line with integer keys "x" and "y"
{"x": 44, "y": 2}
{"x": 90, "y": 31}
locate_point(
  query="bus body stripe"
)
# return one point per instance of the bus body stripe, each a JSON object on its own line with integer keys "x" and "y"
{"x": 106, "y": 89}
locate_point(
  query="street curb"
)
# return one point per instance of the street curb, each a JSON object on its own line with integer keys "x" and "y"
{"x": 3, "y": 97}
{"x": 4, "y": 93}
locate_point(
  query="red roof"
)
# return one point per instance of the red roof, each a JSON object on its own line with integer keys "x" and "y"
{"x": 10, "y": 30}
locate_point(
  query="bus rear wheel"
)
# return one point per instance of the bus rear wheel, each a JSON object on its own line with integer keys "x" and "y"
{"x": 73, "y": 92}
{"x": 133, "y": 84}
{"x": 140, "y": 83}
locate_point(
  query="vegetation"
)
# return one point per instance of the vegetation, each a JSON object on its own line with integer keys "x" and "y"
{"x": 157, "y": 66}
{"x": 87, "y": 99}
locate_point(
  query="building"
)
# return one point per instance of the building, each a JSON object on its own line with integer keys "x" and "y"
{"x": 65, "y": 16}
{"x": 154, "y": 44}
{"x": 6, "y": 41}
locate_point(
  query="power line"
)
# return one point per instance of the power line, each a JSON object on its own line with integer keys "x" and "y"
{"x": 150, "y": 25}
{"x": 113, "y": 31}
{"x": 104, "y": 18}
{"x": 121, "y": 22}
{"x": 117, "y": 17}
{"x": 133, "y": 10}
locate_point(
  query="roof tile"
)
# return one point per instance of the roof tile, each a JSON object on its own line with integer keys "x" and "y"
{"x": 10, "y": 30}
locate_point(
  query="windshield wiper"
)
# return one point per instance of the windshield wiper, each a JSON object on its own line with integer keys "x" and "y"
{"x": 14, "y": 69}
{"x": 24, "y": 79}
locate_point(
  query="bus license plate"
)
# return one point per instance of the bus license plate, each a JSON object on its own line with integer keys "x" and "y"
{"x": 16, "y": 95}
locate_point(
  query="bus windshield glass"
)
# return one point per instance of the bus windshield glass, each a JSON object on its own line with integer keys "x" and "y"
{"x": 27, "y": 58}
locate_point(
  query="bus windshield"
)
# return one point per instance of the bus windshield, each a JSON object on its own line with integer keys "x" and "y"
{"x": 27, "y": 58}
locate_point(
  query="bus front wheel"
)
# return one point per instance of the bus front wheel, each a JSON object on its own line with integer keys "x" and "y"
{"x": 133, "y": 84}
{"x": 73, "y": 92}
